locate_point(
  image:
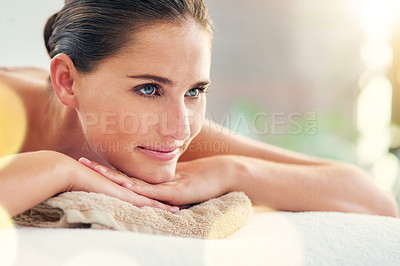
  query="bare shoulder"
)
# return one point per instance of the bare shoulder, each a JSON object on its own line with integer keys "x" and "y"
{"x": 30, "y": 84}
{"x": 27, "y": 71}
{"x": 33, "y": 88}
{"x": 24, "y": 78}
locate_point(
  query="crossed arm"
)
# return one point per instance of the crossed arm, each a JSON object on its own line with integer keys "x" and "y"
{"x": 216, "y": 162}
{"x": 270, "y": 176}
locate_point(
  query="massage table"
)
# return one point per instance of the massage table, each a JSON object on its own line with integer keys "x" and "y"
{"x": 269, "y": 238}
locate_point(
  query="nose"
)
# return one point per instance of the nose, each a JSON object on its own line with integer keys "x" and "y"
{"x": 175, "y": 122}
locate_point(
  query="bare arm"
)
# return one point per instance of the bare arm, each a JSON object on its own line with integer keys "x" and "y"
{"x": 325, "y": 187}
{"x": 287, "y": 180}
{"x": 30, "y": 178}
{"x": 215, "y": 139}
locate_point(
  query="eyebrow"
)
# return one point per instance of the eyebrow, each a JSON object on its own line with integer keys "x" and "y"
{"x": 166, "y": 81}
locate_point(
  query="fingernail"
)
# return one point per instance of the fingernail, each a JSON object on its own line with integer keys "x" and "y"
{"x": 101, "y": 168}
{"x": 84, "y": 160}
{"x": 175, "y": 209}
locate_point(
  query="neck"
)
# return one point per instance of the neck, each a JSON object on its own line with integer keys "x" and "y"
{"x": 67, "y": 133}
{"x": 64, "y": 128}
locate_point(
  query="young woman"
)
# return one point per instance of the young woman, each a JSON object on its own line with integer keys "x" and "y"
{"x": 124, "y": 116}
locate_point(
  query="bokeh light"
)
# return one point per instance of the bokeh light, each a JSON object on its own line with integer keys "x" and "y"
{"x": 374, "y": 105}
{"x": 377, "y": 54}
{"x": 371, "y": 147}
{"x": 13, "y": 122}
{"x": 385, "y": 171}
{"x": 377, "y": 16}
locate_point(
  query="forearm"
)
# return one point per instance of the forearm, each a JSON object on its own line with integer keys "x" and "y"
{"x": 325, "y": 187}
{"x": 215, "y": 140}
{"x": 30, "y": 178}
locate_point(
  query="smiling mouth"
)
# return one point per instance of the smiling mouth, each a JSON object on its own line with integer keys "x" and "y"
{"x": 159, "y": 149}
{"x": 160, "y": 153}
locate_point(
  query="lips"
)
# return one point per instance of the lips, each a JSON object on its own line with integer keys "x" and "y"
{"x": 162, "y": 153}
{"x": 164, "y": 149}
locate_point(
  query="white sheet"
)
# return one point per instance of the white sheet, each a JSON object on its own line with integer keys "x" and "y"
{"x": 275, "y": 238}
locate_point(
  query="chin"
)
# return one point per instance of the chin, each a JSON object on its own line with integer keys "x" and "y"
{"x": 149, "y": 171}
{"x": 160, "y": 175}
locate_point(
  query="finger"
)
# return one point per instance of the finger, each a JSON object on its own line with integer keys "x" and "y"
{"x": 117, "y": 190}
{"x": 162, "y": 192}
{"x": 156, "y": 204}
{"x": 139, "y": 200}
{"x": 115, "y": 176}
{"x": 86, "y": 162}
{"x": 108, "y": 187}
{"x": 123, "y": 180}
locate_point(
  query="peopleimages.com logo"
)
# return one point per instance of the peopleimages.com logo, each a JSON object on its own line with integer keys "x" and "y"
{"x": 293, "y": 123}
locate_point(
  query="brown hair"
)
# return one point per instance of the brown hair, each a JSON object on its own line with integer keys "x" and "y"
{"x": 88, "y": 31}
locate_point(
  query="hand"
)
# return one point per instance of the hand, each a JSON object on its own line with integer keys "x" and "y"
{"x": 91, "y": 179}
{"x": 195, "y": 181}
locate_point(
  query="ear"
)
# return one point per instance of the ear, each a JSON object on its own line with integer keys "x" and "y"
{"x": 63, "y": 74}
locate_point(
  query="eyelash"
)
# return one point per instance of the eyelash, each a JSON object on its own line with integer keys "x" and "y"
{"x": 159, "y": 91}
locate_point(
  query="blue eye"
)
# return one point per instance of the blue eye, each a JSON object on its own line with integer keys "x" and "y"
{"x": 193, "y": 92}
{"x": 148, "y": 89}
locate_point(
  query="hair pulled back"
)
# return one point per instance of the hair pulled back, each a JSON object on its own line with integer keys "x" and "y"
{"x": 89, "y": 31}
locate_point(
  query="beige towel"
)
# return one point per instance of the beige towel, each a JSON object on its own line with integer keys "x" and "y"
{"x": 215, "y": 218}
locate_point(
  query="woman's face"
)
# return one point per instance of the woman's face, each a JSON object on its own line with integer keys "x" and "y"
{"x": 141, "y": 108}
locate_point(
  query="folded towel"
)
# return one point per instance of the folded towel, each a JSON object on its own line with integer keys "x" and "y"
{"x": 216, "y": 218}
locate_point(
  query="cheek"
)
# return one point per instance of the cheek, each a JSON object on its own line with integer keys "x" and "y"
{"x": 107, "y": 131}
{"x": 196, "y": 118}
{"x": 128, "y": 124}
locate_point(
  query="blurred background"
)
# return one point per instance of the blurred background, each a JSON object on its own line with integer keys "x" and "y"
{"x": 317, "y": 77}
